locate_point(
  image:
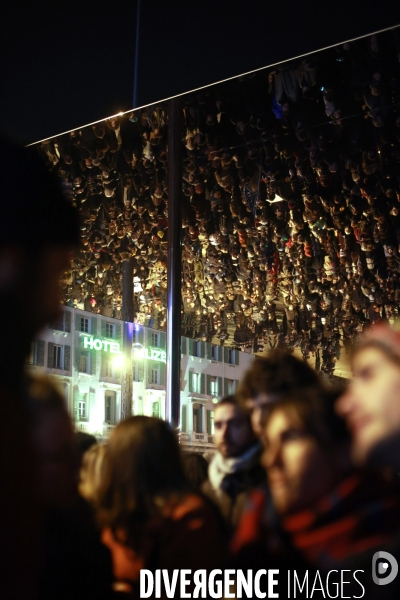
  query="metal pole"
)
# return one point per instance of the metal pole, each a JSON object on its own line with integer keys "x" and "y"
{"x": 135, "y": 80}
{"x": 127, "y": 316}
{"x": 173, "y": 392}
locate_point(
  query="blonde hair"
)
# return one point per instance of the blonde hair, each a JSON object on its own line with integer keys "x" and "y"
{"x": 90, "y": 475}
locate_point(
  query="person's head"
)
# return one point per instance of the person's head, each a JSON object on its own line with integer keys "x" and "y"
{"x": 142, "y": 472}
{"x": 305, "y": 449}
{"x": 39, "y": 228}
{"x": 54, "y": 444}
{"x": 233, "y": 434}
{"x": 270, "y": 377}
{"x": 371, "y": 404}
{"x": 196, "y": 468}
{"x": 84, "y": 441}
{"x": 91, "y": 472}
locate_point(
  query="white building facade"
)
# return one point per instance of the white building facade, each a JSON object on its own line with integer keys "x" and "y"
{"x": 82, "y": 354}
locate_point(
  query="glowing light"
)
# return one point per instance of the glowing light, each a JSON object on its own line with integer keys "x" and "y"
{"x": 119, "y": 361}
{"x": 215, "y": 400}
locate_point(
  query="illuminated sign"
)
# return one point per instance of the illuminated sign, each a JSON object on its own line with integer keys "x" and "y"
{"x": 96, "y": 344}
{"x": 152, "y": 354}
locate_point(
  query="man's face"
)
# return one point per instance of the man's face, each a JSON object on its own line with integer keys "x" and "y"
{"x": 299, "y": 472}
{"x": 371, "y": 405}
{"x": 232, "y": 431}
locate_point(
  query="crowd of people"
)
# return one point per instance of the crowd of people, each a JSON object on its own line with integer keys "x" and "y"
{"x": 290, "y": 194}
{"x": 304, "y": 479}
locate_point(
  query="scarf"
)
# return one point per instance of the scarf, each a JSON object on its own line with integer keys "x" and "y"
{"x": 222, "y": 469}
{"x": 360, "y": 514}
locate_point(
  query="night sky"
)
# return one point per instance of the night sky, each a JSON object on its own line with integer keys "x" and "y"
{"x": 65, "y": 64}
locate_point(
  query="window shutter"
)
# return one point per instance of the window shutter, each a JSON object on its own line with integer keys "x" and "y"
{"x": 236, "y": 353}
{"x": 140, "y": 335}
{"x": 183, "y": 419}
{"x": 93, "y": 325}
{"x": 67, "y": 358}
{"x": 226, "y": 386}
{"x": 76, "y": 401}
{"x": 67, "y": 321}
{"x": 209, "y": 351}
{"x": 200, "y": 418}
{"x": 103, "y": 328}
{"x": 118, "y": 332}
{"x": 77, "y": 358}
{"x": 208, "y": 383}
{"x": 202, "y": 350}
{"x": 220, "y": 391}
{"x": 226, "y": 354}
{"x": 40, "y": 353}
{"x": 209, "y": 413}
{"x": 162, "y": 374}
{"x": 77, "y": 322}
{"x": 163, "y": 340}
{"x": 202, "y": 384}
{"x": 93, "y": 361}
{"x": 103, "y": 358}
{"x": 156, "y": 409}
{"x": 183, "y": 345}
{"x": 190, "y": 347}
{"x": 50, "y": 355}
{"x": 190, "y": 381}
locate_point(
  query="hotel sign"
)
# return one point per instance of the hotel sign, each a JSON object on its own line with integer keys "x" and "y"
{"x": 91, "y": 343}
{"x": 150, "y": 354}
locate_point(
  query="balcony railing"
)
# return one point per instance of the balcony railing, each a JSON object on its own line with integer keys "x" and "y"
{"x": 107, "y": 429}
{"x": 199, "y": 437}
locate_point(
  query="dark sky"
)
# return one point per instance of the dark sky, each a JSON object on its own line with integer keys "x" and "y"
{"x": 64, "y": 64}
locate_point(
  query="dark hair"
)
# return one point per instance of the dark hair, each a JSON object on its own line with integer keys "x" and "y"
{"x": 315, "y": 409}
{"x": 84, "y": 441}
{"x": 196, "y": 469}
{"x": 142, "y": 471}
{"x": 277, "y": 373}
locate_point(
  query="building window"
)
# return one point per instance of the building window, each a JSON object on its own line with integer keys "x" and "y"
{"x": 154, "y": 340}
{"x": 110, "y": 330}
{"x": 154, "y": 376}
{"x": 214, "y": 352}
{"x": 198, "y": 410}
{"x": 57, "y": 357}
{"x": 156, "y": 409}
{"x": 84, "y": 325}
{"x": 231, "y": 387}
{"x": 109, "y": 408}
{"x": 210, "y": 422}
{"x": 84, "y": 362}
{"x": 195, "y": 383}
{"x": 108, "y": 370}
{"x": 82, "y": 408}
{"x": 213, "y": 386}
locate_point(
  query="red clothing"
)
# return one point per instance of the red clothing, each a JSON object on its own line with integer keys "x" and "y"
{"x": 359, "y": 515}
{"x": 190, "y": 536}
